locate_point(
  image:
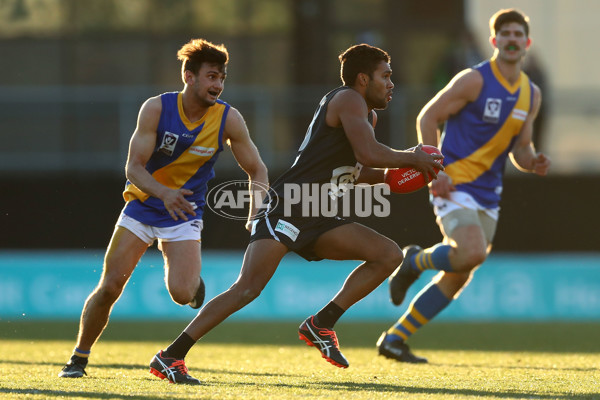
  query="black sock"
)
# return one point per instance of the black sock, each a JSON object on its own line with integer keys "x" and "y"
{"x": 328, "y": 316}
{"x": 180, "y": 347}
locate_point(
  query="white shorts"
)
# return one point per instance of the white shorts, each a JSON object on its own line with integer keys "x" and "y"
{"x": 462, "y": 209}
{"x": 458, "y": 200}
{"x": 188, "y": 230}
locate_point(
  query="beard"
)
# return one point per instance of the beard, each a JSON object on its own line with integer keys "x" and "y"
{"x": 378, "y": 104}
{"x": 375, "y": 100}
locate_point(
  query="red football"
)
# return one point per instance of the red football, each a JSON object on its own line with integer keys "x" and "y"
{"x": 408, "y": 180}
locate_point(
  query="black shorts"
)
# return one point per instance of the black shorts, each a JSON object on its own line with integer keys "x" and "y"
{"x": 298, "y": 234}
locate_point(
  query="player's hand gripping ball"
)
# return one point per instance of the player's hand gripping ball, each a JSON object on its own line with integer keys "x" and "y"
{"x": 408, "y": 180}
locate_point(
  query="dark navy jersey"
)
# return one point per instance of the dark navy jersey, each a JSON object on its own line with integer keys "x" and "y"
{"x": 324, "y": 157}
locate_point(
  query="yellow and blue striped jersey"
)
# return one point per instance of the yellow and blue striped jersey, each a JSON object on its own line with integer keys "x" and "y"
{"x": 476, "y": 141}
{"x": 184, "y": 156}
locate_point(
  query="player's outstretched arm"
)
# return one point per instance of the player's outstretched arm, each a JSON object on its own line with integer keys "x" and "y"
{"x": 371, "y": 176}
{"x": 349, "y": 110}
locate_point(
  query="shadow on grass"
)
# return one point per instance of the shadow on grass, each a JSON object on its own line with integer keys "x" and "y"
{"x": 556, "y": 337}
{"x": 383, "y": 388}
{"x": 516, "y": 367}
{"x": 91, "y": 367}
{"x": 371, "y": 388}
{"x": 61, "y": 394}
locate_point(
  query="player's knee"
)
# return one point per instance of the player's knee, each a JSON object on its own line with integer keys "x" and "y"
{"x": 108, "y": 291}
{"x": 475, "y": 257}
{"x": 182, "y": 295}
{"x": 391, "y": 256}
{"x": 471, "y": 257}
{"x": 182, "y": 290}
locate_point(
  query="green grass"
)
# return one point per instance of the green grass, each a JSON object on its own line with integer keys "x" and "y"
{"x": 237, "y": 361}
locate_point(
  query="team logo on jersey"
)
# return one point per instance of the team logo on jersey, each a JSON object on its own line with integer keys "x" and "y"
{"x": 491, "y": 112}
{"x": 168, "y": 143}
{"x": 342, "y": 179}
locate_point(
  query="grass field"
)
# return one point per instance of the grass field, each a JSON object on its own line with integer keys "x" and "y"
{"x": 242, "y": 360}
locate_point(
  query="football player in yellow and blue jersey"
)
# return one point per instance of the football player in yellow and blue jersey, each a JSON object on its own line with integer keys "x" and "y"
{"x": 178, "y": 138}
{"x": 488, "y": 111}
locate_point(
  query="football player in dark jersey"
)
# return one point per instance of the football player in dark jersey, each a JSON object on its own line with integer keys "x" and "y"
{"x": 339, "y": 149}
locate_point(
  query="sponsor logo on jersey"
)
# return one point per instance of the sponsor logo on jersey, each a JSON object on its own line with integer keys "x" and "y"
{"x": 519, "y": 114}
{"x": 202, "y": 151}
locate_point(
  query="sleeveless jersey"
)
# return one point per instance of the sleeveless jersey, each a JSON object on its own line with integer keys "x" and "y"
{"x": 183, "y": 157}
{"x": 325, "y": 155}
{"x": 476, "y": 141}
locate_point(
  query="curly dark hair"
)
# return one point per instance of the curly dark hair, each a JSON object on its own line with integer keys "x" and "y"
{"x": 361, "y": 58}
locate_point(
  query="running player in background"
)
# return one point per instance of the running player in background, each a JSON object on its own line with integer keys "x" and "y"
{"x": 339, "y": 147}
{"x": 178, "y": 138}
{"x": 489, "y": 112}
